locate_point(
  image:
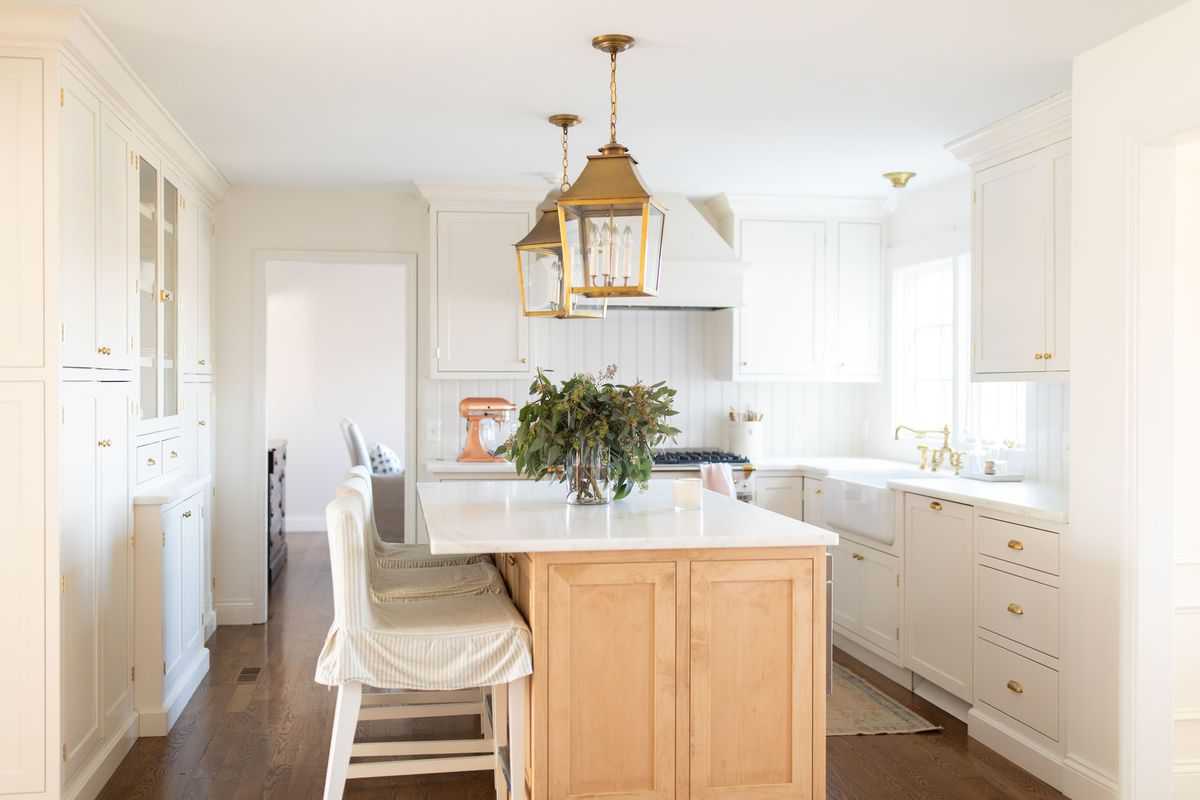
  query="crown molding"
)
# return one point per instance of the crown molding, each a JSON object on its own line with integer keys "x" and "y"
{"x": 1032, "y": 128}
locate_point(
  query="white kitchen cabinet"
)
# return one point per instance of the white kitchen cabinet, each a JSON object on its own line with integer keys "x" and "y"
{"x": 22, "y": 226}
{"x": 97, "y": 609}
{"x": 1021, "y": 230}
{"x": 867, "y": 596}
{"x": 97, "y": 215}
{"x": 814, "y": 506}
{"x": 203, "y": 360}
{"x": 783, "y": 495}
{"x": 780, "y": 323}
{"x": 938, "y": 597}
{"x": 171, "y": 659}
{"x": 854, "y": 287}
{"x": 479, "y": 330}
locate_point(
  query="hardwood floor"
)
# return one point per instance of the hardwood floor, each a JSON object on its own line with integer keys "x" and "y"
{"x": 269, "y": 738}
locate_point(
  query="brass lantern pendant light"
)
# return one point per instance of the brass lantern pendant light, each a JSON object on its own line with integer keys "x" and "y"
{"x": 545, "y": 291}
{"x": 611, "y": 227}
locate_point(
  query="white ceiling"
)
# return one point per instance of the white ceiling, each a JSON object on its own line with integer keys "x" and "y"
{"x": 762, "y": 96}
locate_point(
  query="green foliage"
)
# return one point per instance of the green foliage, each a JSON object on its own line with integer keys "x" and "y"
{"x": 586, "y": 412}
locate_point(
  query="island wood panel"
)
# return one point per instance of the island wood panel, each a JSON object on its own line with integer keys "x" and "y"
{"x": 611, "y": 682}
{"x": 754, "y": 696}
{"x": 530, "y": 576}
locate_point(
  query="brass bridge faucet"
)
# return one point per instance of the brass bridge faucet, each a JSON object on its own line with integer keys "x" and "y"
{"x": 945, "y": 453}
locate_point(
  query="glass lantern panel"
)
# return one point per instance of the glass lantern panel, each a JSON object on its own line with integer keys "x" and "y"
{"x": 542, "y": 273}
{"x": 654, "y": 238}
{"x": 606, "y": 242}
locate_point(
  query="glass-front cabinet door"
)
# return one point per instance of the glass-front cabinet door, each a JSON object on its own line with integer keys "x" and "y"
{"x": 158, "y": 281}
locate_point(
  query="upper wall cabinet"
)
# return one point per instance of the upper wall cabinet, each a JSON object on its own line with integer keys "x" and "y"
{"x": 1021, "y": 230}
{"x": 478, "y": 329}
{"x": 812, "y": 307}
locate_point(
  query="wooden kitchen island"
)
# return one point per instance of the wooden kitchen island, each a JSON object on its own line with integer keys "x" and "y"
{"x": 677, "y": 654}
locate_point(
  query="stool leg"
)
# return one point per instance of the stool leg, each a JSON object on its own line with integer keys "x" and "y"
{"x": 341, "y": 740}
{"x": 517, "y": 693}
{"x": 500, "y": 705}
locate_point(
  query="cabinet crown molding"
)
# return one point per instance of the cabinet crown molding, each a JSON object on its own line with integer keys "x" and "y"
{"x": 73, "y": 32}
{"x": 1032, "y": 128}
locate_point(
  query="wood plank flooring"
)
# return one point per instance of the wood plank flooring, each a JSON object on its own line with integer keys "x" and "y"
{"x": 269, "y": 738}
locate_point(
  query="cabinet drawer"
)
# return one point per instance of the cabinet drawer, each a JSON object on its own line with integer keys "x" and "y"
{"x": 1018, "y": 544}
{"x": 1020, "y": 609}
{"x": 172, "y": 450}
{"x": 149, "y": 461}
{"x": 1023, "y": 689}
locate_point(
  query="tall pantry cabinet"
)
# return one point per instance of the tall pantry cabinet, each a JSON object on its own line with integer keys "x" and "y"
{"x": 75, "y": 127}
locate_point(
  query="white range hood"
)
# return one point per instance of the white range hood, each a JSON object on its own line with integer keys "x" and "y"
{"x": 699, "y": 268}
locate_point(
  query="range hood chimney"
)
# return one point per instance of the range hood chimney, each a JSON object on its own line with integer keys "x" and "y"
{"x": 699, "y": 268}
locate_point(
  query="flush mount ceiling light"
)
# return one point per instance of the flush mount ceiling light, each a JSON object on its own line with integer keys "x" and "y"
{"x": 611, "y": 228}
{"x": 899, "y": 179}
{"x": 545, "y": 292}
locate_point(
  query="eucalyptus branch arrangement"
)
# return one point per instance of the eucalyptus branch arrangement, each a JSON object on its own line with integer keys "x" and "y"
{"x": 592, "y": 432}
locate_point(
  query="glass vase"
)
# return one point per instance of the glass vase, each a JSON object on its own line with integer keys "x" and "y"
{"x": 588, "y": 481}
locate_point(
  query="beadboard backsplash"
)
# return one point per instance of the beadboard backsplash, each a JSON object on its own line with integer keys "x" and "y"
{"x": 1047, "y": 442}
{"x": 800, "y": 418}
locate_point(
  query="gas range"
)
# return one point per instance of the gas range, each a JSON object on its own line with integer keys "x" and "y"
{"x": 679, "y": 458}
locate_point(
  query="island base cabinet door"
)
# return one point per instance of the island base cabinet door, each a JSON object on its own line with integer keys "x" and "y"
{"x": 757, "y": 731}
{"x": 611, "y": 729}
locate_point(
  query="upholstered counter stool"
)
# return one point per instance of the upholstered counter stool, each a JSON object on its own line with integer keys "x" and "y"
{"x": 443, "y": 644}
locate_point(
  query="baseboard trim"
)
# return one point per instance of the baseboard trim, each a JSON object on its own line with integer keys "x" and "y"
{"x": 97, "y": 772}
{"x": 159, "y": 721}
{"x": 1186, "y": 779}
{"x": 952, "y": 704}
{"x": 238, "y": 612}
{"x": 1084, "y": 781}
{"x": 1028, "y": 754}
{"x": 304, "y": 523}
{"x": 876, "y": 661}
{"x": 210, "y": 623}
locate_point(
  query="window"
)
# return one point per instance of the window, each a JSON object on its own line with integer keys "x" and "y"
{"x": 931, "y": 360}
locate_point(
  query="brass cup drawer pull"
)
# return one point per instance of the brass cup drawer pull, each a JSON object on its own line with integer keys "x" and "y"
{"x": 202, "y": 423}
{"x": 174, "y": 454}
{"x": 150, "y": 462}
{"x": 1016, "y": 610}
{"x": 1015, "y": 687}
{"x": 104, "y": 351}
{"x": 203, "y": 362}
{"x": 1016, "y": 544}
{"x": 817, "y": 491}
{"x": 857, "y": 556}
{"x": 935, "y": 506}
{"x": 105, "y": 443}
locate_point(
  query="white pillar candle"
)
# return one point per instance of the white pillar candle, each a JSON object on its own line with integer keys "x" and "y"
{"x": 688, "y": 493}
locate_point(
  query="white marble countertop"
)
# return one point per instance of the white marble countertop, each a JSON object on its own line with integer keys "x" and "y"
{"x": 1027, "y": 498}
{"x": 530, "y": 517}
{"x": 1035, "y": 500}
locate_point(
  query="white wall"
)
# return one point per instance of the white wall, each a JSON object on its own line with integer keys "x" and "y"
{"x": 258, "y": 219}
{"x": 931, "y": 223}
{"x": 1131, "y": 303}
{"x": 336, "y": 338}
{"x": 801, "y": 418}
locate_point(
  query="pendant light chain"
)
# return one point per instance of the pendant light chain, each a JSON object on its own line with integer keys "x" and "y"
{"x": 564, "y": 185}
{"x": 612, "y": 88}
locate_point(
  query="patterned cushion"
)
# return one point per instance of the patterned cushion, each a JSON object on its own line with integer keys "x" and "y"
{"x": 384, "y": 460}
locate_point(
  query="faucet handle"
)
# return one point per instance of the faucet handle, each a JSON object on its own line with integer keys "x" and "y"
{"x": 956, "y": 461}
{"x": 923, "y": 449}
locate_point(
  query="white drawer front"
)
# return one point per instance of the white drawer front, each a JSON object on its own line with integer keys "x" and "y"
{"x": 172, "y": 450}
{"x": 1023, "y": 689}
{"x": 1018, "y": 544}
{"x": 149, "y": 461}
{"x": 1021, "y": 609}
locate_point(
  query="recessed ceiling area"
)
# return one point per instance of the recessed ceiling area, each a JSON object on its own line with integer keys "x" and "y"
{"x": 746, "y": 97}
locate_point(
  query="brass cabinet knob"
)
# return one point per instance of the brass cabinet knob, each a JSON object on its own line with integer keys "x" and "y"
{"x": 857, "y": 556}
{"x": 174, "y": 454}
{"x": 202, "y": 362}
{"x": 1015, "y": 610}
{"x": 1015, "y": 687}
{"x": 104, "y": 443}
{"x": 1039, "y": 356}
{"x": 104, "y": 351}
{"x": 1047, "y": 356}
{"x": 934, "y": 505}
{"x": 512, "y": 560}
{"x": 1016, "y": 544}
{"x": 201, "y": 423}
{"x": 187, "y": 514}
{"x": 817, "y": 491}
{"x": 524, "y": 360}
{"x": 150, "y": 462}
